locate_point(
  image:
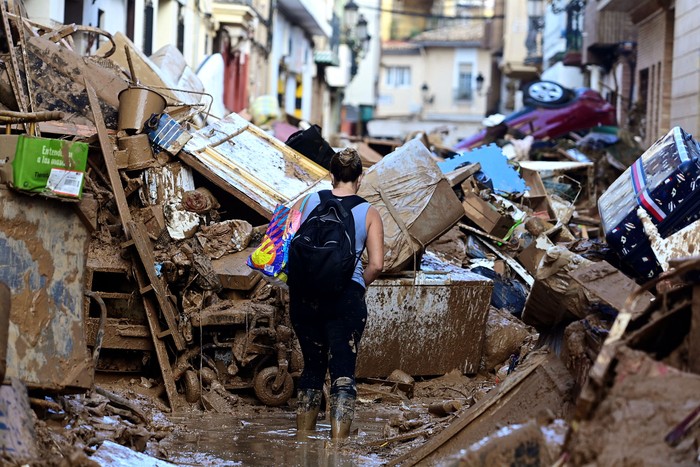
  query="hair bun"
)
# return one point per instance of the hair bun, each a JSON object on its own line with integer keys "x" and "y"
{"x": 348, "y": 156}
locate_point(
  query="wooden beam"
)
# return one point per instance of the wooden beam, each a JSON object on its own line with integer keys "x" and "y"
{"x": 108, "y": 155}
{"x": 15, "y": 78}
{"x": 457, "y": 176}
{"x": 144, "y": 247}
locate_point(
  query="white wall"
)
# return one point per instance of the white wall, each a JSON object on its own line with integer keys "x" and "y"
{"x": 569, "y": 76}
{"x": 554, "y": 42}
{"x": 290, "y": 41}
{"x": 45, "y": 11}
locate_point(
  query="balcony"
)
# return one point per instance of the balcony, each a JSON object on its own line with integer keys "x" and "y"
{"x": 235, "y": 13}
{"x": 533, "y": 42}
{"x": 604, "y": 31}
{"x": 574, "y": 36}
{"x": 307, "y": 15}
{"x": 637, "y": 9}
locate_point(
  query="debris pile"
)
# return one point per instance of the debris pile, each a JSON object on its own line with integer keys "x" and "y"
{"x": 129, "y": 213}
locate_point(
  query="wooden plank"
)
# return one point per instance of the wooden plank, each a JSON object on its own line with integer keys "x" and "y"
{"x": 15, "y": 79}
{"x": 496, "y": 408}
{"x": 457, "y": 176}
{"x": 144, "y": 248}
{"x": 118, "y": 335}
{"x": 25, "y": 64}
{"x": 161, "y": 351}
{"x": 108, "y": 155}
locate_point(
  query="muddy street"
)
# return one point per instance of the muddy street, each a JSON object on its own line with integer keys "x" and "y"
{"x": 315, "y": 233}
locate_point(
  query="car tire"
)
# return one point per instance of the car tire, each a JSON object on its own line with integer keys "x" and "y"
{"x": 545, "y": 93}
{"x": 266, "y": 393}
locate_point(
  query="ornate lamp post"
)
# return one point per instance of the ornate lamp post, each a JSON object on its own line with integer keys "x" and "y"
{"x": 355, "y": 35}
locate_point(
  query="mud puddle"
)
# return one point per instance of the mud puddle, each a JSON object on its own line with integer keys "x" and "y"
{"x": 267, "y": 438}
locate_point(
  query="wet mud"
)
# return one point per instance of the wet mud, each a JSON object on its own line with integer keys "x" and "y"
{"x": 269, "y": 437}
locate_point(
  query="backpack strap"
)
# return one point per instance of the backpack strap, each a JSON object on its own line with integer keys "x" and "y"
{"x": 303, "y": 203}
{"x": 346, "y": 202}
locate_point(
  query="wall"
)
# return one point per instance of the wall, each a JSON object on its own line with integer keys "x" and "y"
{"x": 516, "y": 27}
{"x": 655, "y": 55}
{"x": 289, "y": 41}
{"x": 405, "y": 100}
{"x": 569, "y": 76}
{"x": 685, "y": 95}
{"x": 165, "y": 27}
{"x": 42, "y": 11}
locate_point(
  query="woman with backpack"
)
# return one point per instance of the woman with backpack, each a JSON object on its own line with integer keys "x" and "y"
{"x": 327, "y": 285}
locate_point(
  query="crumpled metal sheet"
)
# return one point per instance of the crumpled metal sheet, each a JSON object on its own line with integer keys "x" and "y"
{"x": 43, "y": 249}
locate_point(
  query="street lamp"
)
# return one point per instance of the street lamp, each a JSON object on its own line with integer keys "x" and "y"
{"x": 479, "y": 83}
{"x": 355, "y": 34}
{"x": 425, "y": 94}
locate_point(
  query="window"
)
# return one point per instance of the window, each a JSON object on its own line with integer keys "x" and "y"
{"x": 464, "y": 82}
{"x": 398, "y": 76}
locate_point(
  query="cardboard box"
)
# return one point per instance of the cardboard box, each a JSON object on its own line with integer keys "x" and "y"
{"x": 530, "y": 256}
{"x": 536, "y": 197}
{"x": 486, "y": 216}
{"x": 411, "y": 194}
{"x": 51, "y": 167}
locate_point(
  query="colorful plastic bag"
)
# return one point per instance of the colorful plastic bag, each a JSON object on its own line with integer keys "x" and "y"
{"x": 270, "y": 257}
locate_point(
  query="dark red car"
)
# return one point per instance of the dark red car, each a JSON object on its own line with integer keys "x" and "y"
{"x": 552, "y": 111}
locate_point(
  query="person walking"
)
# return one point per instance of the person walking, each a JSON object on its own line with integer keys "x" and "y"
{"x": 329, "y": 326}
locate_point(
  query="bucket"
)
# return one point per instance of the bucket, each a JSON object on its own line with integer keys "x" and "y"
{"x": 136, "y": 105}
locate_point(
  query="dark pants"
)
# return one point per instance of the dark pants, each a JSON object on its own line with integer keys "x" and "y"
{"x": 329, "y": 333}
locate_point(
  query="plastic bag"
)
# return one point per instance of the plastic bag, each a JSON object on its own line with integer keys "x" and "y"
{"x": 271, "y": 256}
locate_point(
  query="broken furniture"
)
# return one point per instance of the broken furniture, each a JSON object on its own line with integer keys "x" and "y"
{"x": 424, "y": 323}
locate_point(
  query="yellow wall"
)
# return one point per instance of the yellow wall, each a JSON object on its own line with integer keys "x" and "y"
{"x": 438, "y": 68}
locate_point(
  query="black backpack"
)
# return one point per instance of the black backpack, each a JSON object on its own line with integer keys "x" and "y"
{"x": 322, "y": 255}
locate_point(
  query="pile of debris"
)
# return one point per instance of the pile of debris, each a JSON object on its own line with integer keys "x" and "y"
{"x": 129, "y": 214}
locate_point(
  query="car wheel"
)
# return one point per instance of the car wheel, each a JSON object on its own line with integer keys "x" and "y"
{"x": 193, "y": 390}
{"x": 545, "y": 93}
{"x": 263, "y": 385}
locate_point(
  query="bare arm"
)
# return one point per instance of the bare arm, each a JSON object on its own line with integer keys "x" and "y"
{"x": 375, "y": 245}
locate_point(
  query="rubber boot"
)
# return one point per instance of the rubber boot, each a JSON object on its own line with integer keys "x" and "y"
{"x": 342, "y": 413}
{"x": 308, "y": 406}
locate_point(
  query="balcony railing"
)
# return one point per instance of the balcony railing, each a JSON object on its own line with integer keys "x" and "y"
{"x": 533, "y": 42}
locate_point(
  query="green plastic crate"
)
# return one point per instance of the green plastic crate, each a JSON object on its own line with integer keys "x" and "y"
{"x": 52, "y": 167}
